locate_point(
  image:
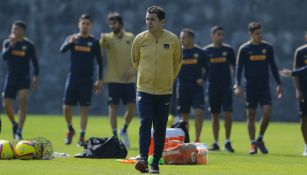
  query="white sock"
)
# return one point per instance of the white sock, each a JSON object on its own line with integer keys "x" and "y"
{"x": 305, "y": 146}
{"x": 216, "y": 142}
{"x": 227, "y": 141}
{"x": 253, "y": 141}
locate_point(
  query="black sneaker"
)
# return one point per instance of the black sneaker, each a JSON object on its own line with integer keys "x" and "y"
{"x": 14, "y": 128}
{"x": 154, "y": 169}
{"x": 253, "y": 149}
{"x": 141, "y": 166}
{"x": 228, "y": 147}
{"x": 69, "y": 136}
{"x": 214, "y": 147}
{"x": 262, "y": 147}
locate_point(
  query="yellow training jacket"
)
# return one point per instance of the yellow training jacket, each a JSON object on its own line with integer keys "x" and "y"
{"x": 118, "y": 58}
{"x": 158, "y": 62}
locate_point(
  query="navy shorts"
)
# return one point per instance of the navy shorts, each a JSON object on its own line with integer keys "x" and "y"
{"x": 13, "y": 85}
{"x": 258, "y": 93}
{"x": 220, "y": 98}
{"x": 78, "y": 92}
{"x": 121, "y": 91}
{"x": 189, "y": 96}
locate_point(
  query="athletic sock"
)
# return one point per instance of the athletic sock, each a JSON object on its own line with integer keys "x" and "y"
{"x": 82, "y": 133}
{"x": 114, "y": 130}
{"x": 260, "y": 138}
{"x": 14, "y": 123}
{"x": 125, "y": 127}
{"x": 227, "y": 141}
{"x": 19, "y": 130}
{"x": 253, "y": 141}
{"x": 216, "y": 142}
{"x": 70, "y": 128}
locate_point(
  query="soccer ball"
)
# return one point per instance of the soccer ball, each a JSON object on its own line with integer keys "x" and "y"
{"x": 6, "y": 150}
{"x": 25, "y": 150}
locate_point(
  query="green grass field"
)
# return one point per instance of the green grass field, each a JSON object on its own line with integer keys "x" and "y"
{"x": 283, "y": 140}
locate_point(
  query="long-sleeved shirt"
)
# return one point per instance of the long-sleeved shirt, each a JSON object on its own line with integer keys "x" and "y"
{"x": 157, "y": 61}
{"x": 18, "y": 58}
{"x": 118, "y": 58}
{"x": 300, "y": 67}
{"x": 194, "y": 62}
{"x": 219, "y": 60}
{"x": 83, "y": 52}
{"x": 256, "y": 60}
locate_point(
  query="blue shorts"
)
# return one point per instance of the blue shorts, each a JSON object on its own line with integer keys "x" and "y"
{"x": 13, "y": 85}
{"x": 78, "y": 92}
{"x": 257, "y": 93}
{"x": 189, "y": 96}
{"x": 220, "y": 97}
{"x": 121, "y": 91}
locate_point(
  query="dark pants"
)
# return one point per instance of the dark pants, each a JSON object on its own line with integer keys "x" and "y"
{"x": 153, "y": 110}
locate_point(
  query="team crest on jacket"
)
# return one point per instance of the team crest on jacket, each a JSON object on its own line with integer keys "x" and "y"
{"x": 166, "y": 46}
{"x": 89, "y": 44}
{"x": 263, "y": 51}
{"x": 195, "y": 55}
{"x": 224, "y": 54}
{"x": 24, "y": 47}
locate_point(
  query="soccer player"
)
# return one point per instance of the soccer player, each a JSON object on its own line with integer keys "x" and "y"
{"x": 221, "y": 58}
{"x": 300, "y": 81}
{"x": 84, "y": 50}
{"x": 119, "y": 72}
{"x": 18, "y": 51}
{"x": 190, "y": 80}
{"x": 255, "y": 57}
{"x": 156, "y": 54}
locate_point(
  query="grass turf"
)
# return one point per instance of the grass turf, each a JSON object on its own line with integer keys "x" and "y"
{"x": 284, "y": 141}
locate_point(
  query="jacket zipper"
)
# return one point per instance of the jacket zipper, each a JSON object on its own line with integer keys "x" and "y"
{"x": 155, "y": 67}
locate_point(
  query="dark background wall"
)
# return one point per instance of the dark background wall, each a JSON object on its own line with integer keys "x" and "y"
{"x": 49, "y": 22}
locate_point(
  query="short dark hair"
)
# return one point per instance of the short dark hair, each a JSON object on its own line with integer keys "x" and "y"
{"x": 157, "y": 10}
{"x": 216, "y": 28}
{"x": 115, "y": 16}
{"x": 252, "y": 26}
{"x": 190, "y": 32}
{"x": 86, "y": 16}
{"x": 21, "y": 24}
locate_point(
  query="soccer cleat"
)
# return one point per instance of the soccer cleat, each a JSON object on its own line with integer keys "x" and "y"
{"x": 141, "y": 166}
{"x": 154, "y": 169}
{"x": 69, "y": 137}
{"x": 262, "y": 148}
{"x": 124, "y": 137}
{"x": 305, "y": 152}
{"x": 18, "y": 136}
{"x": 81, "y": 142}
{"x": 214, "y": 147}
{"x": 253, "y": 149}
{"x": 228, "y": 147}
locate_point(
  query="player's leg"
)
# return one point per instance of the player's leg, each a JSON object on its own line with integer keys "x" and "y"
{"x": 161, "y": 112}
{"x": 227, "y": 108}
{"x": 215, "y": 109}
{"x": 198, "y": 123}
{"x": 303, "y": 115}
{"x": 70, "y": 100}
{"x": 184, "y": 103}
{"x": 23, "y": 98}
{"x": 128, "y": 98}
{"x": 83, "y": 124}
{"x": 251, "y": 106}
{"x": 145, "y": 108}
{"x": 266, "y": 107}
{"x": 113, "y": 101}
{"x": 198, "y": 103}
{"x": 85, "y": 91}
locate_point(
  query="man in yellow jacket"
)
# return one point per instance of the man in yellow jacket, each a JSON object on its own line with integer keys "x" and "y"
{"x": 156, "y": 54}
